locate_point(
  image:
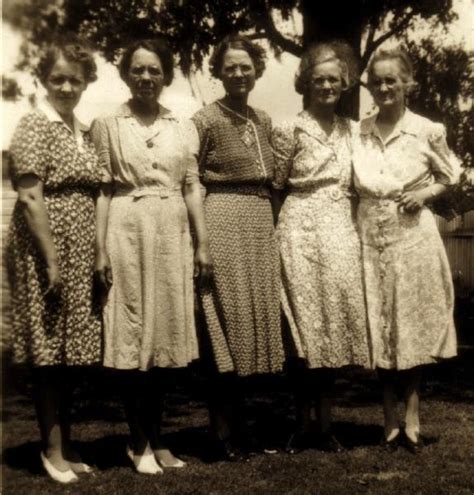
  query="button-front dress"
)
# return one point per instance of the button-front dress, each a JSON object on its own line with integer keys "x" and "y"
{"x": 407, "y": 275}
{"x": 149, "y": 313}
{"x": 322, "y": 290}
{"x": 49, "y": 329}
{"x": 242, "y": 307}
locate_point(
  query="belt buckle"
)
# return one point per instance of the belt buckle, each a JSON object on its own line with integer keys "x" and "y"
{"x": 335, "y": 194}
{"x": 164, "y": 194}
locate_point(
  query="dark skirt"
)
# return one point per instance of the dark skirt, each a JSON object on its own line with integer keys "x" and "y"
{"x": 242, "y": 304}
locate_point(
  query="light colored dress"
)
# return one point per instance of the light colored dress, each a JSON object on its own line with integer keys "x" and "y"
{"x": 407, "y": 275}
{"x": 322, "y": 293}
{"x": 149, "y": 314}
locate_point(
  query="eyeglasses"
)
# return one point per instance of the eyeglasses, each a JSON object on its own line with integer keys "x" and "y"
{"x": 319, "y": 82}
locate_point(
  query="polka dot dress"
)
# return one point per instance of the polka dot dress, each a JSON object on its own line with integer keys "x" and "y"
{"x": 55, "y": 329}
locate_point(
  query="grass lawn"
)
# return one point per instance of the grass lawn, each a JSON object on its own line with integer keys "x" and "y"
{"x": 446, "y": 466}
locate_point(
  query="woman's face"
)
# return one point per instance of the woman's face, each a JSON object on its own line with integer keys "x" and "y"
{"x": 145, "y": 76}
{"x": 65, "y": 84}
{"x": 386, "y": 84}
{"x": 237, "y": 72}
{"x": 325, "y": 84}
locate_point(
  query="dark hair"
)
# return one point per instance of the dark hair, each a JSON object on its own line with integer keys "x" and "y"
{"x": 237, "y": 42}
{"x": 315, "y": 54}
{"x": 73, "y": 49}
{"x": 404, "y": 62}
{"x": 156, "y": 45}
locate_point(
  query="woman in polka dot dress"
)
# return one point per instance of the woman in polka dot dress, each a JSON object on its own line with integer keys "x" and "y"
{"x": 51, "y": 248}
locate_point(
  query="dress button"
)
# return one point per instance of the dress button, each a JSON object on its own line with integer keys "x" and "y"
{"x": 149, "y": 144}
{"x": 154, "y": 165}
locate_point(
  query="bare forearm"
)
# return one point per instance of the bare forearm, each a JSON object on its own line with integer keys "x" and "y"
{"x": 102, "y": 214}
{"x": 430, "y": 193}
{"x": 193, "y": 200}
{"x": 38, "y": 223}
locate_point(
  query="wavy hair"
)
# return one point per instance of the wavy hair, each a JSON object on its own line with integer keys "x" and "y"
{"x": 73, "y": 49}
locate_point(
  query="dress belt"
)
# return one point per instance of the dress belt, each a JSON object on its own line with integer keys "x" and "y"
{"x": 246, "y": 189}
{"x": 332, "y": 191}
{"x": 142, "y": 191}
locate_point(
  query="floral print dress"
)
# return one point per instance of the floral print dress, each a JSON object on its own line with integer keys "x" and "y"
{"x": 407, "y": 276}
{"x": 322, "y": 293}
{"x": 47, "y": 329}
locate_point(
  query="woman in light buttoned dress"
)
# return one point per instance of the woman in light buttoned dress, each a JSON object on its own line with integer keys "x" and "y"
{"x": 402, "y": 163}
{"x": 145, "y": 247}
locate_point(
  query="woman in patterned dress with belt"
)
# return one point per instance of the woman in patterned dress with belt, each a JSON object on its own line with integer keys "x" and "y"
{"x": 241, "y": 306}
{"x": 401, "y": 164}
{"x": 56, "y": 325}
{"x": 322, "y": 291}
{"x": 145, "y": 246}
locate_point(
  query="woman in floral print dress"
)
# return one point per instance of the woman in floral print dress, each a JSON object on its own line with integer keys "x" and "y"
{"x": 401, "y": 163}
{"x": 51, "y": 249}
{"x": 322, "y": 291}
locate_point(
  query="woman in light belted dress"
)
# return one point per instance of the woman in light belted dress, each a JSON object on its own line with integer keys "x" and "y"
{"x": 322, "y": 292}
{"x": 145, "y": 247}
{"x": 402, "y": 162}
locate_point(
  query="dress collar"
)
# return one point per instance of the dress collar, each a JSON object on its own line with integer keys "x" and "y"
{"x": 408, "y": 124}
{"x": 53, "y": 116}
{"x": 125, "y": 110}
{"x": 307, "y": 123}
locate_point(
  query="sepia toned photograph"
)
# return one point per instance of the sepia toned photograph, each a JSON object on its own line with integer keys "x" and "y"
{"x": 237, "y": 247}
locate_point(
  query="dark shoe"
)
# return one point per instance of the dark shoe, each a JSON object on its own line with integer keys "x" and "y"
{"x": 411, "y": 446}
{"x": 328, "y": 443}
{"x": 390, "y": 445}
{"x": 297, "y": 443}
{"x": 225, "y": 451}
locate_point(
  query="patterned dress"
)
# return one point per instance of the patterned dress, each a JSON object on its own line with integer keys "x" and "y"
{"x": 242, "y": 307}
{"x": 52, "y": 330}
{"x": 149, "y": 313}
{"x": 322, "y": 292}
{"x": 407, "y": 276}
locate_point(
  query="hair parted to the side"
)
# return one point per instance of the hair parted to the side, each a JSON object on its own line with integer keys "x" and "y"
{"x": 237, "y": 42}
{"x": 158, "y": 46}
{"x": 72, "y": 48}
{"x": 404, "y": 63}
{"x": 317, "y": 53}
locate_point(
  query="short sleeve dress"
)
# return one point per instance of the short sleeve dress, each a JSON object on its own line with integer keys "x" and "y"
{"x": 51, "y": 330}
{"x": 149, "y": 312}
{"x": 322, "y": 290}
{"x": 407, "y": 276}
{"x": 242, "y": 306}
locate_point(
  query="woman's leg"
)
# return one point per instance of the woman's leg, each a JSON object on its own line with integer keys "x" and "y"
{"x": 46, "y": 392}
{"x": 130, "y": 384}
{"x": 390, "y": 404}
{"x": 158, "y": 382}
{"x": 412, "y": 403}
{"x": 323, "y": 380}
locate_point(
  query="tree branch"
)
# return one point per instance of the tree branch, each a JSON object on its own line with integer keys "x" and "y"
{"x": 372, "y": 44}
{"x": 275, "y": 36}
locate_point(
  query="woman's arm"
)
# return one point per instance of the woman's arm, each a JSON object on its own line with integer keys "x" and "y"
{"x": 102, "y": 262}
{"x": 412, "y": 201}
{"x": 31, "y": 199}
{"x": 193, "y": 200}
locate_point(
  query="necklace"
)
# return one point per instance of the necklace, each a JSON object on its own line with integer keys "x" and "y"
{"x": 249, "y": 135}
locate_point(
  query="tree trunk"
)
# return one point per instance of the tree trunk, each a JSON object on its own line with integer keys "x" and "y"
{"x": 330, "y": 20}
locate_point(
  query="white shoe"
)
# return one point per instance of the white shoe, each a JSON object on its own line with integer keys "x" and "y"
{"x": 81, "y": 467}
{"x": 144, "y": 463}
{"x": 64, "y": 477}
{"x": 177, "y": 463}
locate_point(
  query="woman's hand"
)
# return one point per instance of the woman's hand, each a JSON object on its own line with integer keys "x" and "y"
{"x": 411, "y": 201}
{"x": 54, "y": 279}
{"x": 203, "y": 265}
{"x": 103, "y": 269}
